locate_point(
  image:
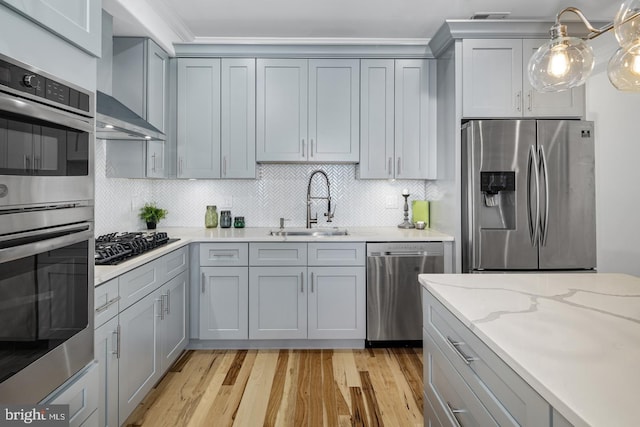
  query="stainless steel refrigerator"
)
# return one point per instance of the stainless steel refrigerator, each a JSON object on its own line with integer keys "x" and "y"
{"x": 528, "y": 195}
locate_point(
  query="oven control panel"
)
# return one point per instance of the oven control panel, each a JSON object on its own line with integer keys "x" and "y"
{"x": 26, "y": 81}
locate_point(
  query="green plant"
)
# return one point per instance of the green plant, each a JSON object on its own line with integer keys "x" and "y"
{"x": 151, "y": 213}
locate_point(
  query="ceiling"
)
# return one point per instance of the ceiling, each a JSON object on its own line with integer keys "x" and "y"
{"x": 208, "y": 20}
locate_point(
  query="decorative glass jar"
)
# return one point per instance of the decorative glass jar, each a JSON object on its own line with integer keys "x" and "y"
{"x": 211, "y": 217}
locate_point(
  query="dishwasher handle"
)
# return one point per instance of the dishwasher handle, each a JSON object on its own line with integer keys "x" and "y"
{"x": 405, "y": 253}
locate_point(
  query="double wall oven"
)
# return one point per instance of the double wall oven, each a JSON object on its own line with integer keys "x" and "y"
{"x": 46, "y": 231}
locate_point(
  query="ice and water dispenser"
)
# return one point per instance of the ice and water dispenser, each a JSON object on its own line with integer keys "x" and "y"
{"x": 498, "y": 203}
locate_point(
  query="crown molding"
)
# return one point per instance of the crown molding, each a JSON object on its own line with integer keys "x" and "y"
{"x": 327, "y": 47}
{"x": 173, "y": 21}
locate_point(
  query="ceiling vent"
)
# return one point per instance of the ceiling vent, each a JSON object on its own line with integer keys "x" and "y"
{"x": 490, "y": 15}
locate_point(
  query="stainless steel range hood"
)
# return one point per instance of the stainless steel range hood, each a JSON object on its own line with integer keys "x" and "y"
{"x": 115, "y": 121}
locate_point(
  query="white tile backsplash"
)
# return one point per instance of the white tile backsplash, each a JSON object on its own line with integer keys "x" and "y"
{"x": 279, "y": 191}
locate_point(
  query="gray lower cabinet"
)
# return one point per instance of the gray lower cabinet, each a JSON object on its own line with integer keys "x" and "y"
{"x": 466, "y": 383}
{"x": 106, "y": 354}
{"x": 305, "y": 291}
{"x": 81, "y": 394}
{"x": 277, "y": 302}
{"x": 224, "y": 307}
{"x": 139, "y": 349}
{"x": 141, "y": 329}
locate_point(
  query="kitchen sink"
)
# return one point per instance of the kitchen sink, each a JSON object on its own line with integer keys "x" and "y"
{"x": 312, "y": 232}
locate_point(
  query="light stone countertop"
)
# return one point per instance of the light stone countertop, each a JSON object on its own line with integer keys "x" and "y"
{"x": 189, "y": 235}
{"x": 575, "y": 338}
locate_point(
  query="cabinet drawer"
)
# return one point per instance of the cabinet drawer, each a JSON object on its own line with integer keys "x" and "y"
{"x": 224, "y": 254}
{"x": 141, "y": 281}
{"x": 81, "y": 396}
{"x": 451, "y": 397}
{"x": 334, "y": 254}
{"x": 509, "y": 399}
{"x": 277, "y": 254}
{"x": 105, "y": 301}
{"x": 174, "y": 263}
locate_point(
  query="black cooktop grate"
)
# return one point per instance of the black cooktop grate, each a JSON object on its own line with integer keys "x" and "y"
{"x": 114, "y": 248}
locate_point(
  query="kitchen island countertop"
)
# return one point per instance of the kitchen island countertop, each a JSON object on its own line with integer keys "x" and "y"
{"x": 189, "y": 235}
{"x": 575, "y": 338}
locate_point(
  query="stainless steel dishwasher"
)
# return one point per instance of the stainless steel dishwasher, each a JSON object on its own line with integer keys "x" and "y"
{"x": 394, "y": 309}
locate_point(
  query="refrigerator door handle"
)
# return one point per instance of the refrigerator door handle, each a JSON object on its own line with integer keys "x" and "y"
{"x": 544, "y": 223}
{"x": 534, "y": 223}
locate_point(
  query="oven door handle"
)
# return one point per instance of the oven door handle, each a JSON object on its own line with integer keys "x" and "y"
{"x": 36, "y": 242}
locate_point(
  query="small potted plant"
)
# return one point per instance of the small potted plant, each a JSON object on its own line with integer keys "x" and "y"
{"x": 151, "y": 214}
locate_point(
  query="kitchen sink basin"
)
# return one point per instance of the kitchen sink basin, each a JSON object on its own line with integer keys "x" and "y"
{"x": 312, "y": 232}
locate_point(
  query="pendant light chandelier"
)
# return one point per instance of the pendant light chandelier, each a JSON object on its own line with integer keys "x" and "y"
{"x": 566, "y": 62}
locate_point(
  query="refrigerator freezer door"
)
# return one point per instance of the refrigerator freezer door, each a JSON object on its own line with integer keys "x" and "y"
{"x": 499, "y": 227}
{"x": 568, "y": 239}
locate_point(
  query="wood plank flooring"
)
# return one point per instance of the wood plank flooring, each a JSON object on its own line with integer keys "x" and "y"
{"x": 368, "y": 387}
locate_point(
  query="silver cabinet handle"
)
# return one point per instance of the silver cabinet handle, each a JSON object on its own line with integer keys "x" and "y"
{"x": 455, "y": 411}
{"x": 180, "y": 166}
{"x": 153, "y": 163}
{"x": 107, "y": 304}
{"x": 390, "y": 166}
{"x": 168, "y": 308}
{"x": 224, "y": 166}
{"x": 311, "y": 148}
{"x": 455, "y": 345}
{"x": 203, "y": 283}
{"x": 312, "y": 280}
{"x": 161, "y": 306}
{"x": 519, "y": 100}
{"x": 530, "y": 100}
{"x": 398, "y": 168}
{"x": 117, "y": 341}
{"x": 301, "y": 282}
{"x": 303, "y": 148}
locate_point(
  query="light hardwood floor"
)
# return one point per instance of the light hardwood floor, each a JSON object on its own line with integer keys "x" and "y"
{"x": 369, "y": 387}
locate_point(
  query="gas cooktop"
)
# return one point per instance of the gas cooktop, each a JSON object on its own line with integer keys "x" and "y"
{"x": 114, "y": 248}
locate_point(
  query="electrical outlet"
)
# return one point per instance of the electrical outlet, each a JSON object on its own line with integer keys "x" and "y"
{"x": 227, "y": 201}
{"x": 391, "y": 202}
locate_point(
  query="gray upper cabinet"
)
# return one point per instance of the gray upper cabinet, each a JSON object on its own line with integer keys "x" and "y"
{"x": 140, "y": 78}
{"x": 216, "y": 118}
{"x": 495, "y": 83}
{"x": 140, "y": 81}
{"x": 238, "y": 144}
{"x": 307, "y": 110}
{"x": 77, "y": 21}
{"x": 198, "y": 125}
{"x": 397, "y": 119}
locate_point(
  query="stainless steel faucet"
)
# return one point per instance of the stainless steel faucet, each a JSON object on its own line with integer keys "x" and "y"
{"x": 328, "y": 213}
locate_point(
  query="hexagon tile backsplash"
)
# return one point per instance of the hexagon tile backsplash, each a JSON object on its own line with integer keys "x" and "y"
{"x": 279, "y": 191}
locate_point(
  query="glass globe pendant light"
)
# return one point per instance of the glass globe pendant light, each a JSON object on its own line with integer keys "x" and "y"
{"x": 624, "y": 68}
{"x": 560, "y": 64}
{"x": 627, "y": 23}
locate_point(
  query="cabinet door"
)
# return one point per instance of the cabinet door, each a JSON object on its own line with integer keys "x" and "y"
{"x": 139, "y": 349}
{"x": 415, "y": 129}
{"x": 106, "y": 353}
{"x": 491, "y": 78}
{"x": 198, "y": 123}
{"x": 81, "y": 396}
{"x": 568, "y": 103}
{"x": 173, "y": 320}
{"x": 334, "y": 104}
{"x": 336, "y": 303}
{"x": 157, "y": 85}
{"x": 281, "y": 108}
{"x": 238, "y": 142}
{"x": 277, "y": 302}
{"x": 155, "y": 159}
{"x": 376, "y": 118}
{"x": 224, "y": 303}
